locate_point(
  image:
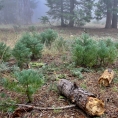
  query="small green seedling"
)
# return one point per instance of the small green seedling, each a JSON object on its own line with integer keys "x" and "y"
{"x": 27, "y": 82}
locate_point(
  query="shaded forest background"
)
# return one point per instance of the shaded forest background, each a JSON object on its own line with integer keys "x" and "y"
{"x": 66, "y": 12}
{"x": 21, "y": 12}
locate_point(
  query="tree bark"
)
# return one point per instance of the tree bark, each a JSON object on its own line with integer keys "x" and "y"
{"x": 72, "y": 5}
{"x": 83, "y": 99}
{"x": 114, "y": 19}
{"x": 109, "y": 15}
{"x": 62, "y": 19}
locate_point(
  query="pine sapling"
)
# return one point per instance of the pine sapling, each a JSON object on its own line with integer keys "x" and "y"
{"x": 26, "y": 82}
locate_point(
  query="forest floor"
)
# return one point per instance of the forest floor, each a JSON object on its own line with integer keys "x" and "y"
{"x": 60, "y": 66}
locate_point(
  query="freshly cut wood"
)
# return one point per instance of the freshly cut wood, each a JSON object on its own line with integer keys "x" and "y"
{"x": 83, "y": 99}
{"x": 106, "y": 78}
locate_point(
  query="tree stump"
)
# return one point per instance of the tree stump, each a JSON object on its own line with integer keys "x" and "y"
{"x": 83, "y": 99}
{"x": 106, "y": 78}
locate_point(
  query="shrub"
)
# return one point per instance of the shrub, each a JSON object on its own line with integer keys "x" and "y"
{"x": 103, "y": 52}
{"x": 109, "y": 42}
{"x": 5, "y": 52}
{"x": 90, "y": 55}
{"x": 116, "y": 45}
{"x": 107, "y": 52}
{"x": 48, "y": 36}
{"x": 27, "y": 48}
{"x": 87, "y": 52}
{"x": 7, "y": 105}
{"x": 112, "y": 54}
{"x": 21, "y": 53}
{"x": 78, "y": 52}
{"x": 32, "y": 42}
{"x": 27, "y": 82}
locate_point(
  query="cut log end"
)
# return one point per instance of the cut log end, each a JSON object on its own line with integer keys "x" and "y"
{"x": 106, "y": 77}
{"x": 83, "y": 99}
{"x": 95, "y": 106}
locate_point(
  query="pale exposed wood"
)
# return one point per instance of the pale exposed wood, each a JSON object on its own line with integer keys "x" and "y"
{"x": 106, "y": 78}
{"x": 83, "y": 99}
{"x": 95, "y": 106}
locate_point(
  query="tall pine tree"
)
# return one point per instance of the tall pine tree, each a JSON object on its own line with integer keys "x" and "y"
{"x": 108, "y": 9}
{"x": 115, "y": 11}
{"x": 70, "y": 12}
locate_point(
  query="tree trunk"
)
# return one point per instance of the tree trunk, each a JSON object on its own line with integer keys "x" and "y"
{"x": 83, "y": 99}
{"x": 114, "y": 19}
{"x": 71, "y": 22}
{"x": 109, "y": 15}
{"x": 62, "y": 19}
{"x": 27, "y": 12}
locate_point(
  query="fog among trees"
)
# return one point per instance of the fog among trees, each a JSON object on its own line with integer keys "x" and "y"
{"x": 66, "y": 12}
{"x": 21, "y": 11}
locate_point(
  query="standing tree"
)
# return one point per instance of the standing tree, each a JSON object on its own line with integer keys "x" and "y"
{"x": 70, "y": 11}
{"x": 108, "y": 9}
{"x": 56, "y": 10}
{"x": 72, "y": 6}
{"x": 62, "y": 17}
{"x": 83, "y": 11}
{"x": 108, "y": 4}
{"x": 115, "y": 11}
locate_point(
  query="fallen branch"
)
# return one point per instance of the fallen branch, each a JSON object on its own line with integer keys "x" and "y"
{"x": 83, "y": 99}
{"x": 47, "y": 108}
{"x": 27, "y": 108}
{"x": 39, "y": 108}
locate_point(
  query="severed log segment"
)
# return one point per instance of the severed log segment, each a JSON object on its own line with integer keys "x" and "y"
{"x": 106, "y": 78}
{"x": 83, "y": 99}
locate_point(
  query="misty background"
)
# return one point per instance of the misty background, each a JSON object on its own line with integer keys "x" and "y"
{"x": 40, "y": 11}
{"x": 22, "y": 11}
{"x": 15, "y": 11}
{"x": 64, "y": 12}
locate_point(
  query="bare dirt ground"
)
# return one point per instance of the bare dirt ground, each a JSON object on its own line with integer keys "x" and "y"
{"x": 48, "y": 95}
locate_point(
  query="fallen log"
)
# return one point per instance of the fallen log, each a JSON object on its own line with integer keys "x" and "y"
{"x": 106, "y": 78}
{"x": 83, "y": 99}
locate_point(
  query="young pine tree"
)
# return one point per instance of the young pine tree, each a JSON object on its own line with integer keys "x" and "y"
{"x": 26, "y": 82}
{"x": 21, "y": 53}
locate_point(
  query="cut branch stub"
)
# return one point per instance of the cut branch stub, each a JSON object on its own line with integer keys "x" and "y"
{"x": 106, "y": 78}
{"x": 83, "y": 99}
